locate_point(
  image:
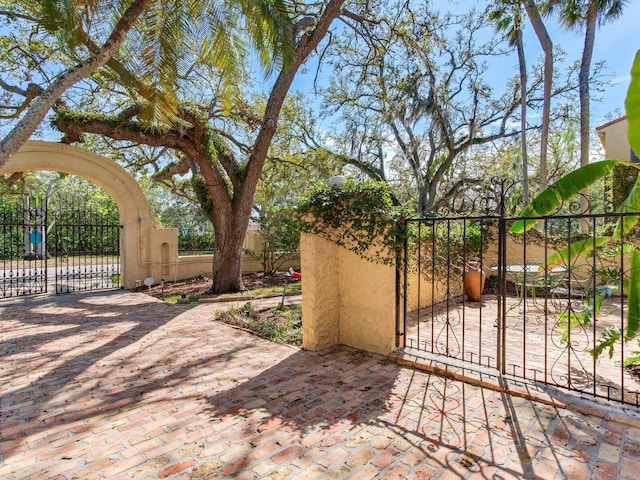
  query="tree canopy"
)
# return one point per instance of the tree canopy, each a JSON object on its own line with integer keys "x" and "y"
{"x": 152, "y": 39}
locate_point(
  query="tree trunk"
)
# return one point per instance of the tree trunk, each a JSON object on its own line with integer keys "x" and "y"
{"x": 227, "y": 258}
{"x": 22, "y": 131}
{"x": 547, "y": 47}
{"x": 522, "y": 63}
{"x": 227, "y": 273}
{"x": 583, "y": 81}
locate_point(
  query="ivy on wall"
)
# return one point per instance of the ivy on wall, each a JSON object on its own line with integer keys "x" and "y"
{"x": 622, "y": 181}
{"x": 358, "y": 216}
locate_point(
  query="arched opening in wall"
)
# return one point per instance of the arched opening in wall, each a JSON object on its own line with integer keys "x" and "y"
{"x": 59, "y": 233}
{"x": 164, "y": 257}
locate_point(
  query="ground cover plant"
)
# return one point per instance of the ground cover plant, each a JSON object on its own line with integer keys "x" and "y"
{"x": 278, "y": 324}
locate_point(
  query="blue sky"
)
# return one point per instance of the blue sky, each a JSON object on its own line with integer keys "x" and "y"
{"x": 616, "y": 43}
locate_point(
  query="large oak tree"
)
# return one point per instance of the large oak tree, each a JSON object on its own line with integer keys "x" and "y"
{"x": 222, "y": 165}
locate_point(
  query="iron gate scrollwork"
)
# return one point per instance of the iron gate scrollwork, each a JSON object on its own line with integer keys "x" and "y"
{"x": 22, "y": 248}
{"x": 436, "y": 265}
{"x": 85, "y": 242}
{"x": 59, "y": 245}
{"x": 553, "y": 299}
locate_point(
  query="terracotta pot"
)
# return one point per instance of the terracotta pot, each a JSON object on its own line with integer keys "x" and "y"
{"x": 474, "y": 279}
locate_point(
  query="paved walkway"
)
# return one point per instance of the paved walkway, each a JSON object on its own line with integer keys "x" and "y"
{"x": 121, "y": 386}
{"x": 533, "y": 343}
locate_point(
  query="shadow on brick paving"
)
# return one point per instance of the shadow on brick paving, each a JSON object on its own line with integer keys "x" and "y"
{"x": 126, "y": 386}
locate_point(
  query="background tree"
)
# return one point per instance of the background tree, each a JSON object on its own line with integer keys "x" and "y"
{"x": 412, "y": 89}
{"x": 507, "y": 15}
{"x": 586, "y": 14}
{"x": 292, "y": 168}
{"x": 547, "y": 47}
{"x": 66, "y": 17}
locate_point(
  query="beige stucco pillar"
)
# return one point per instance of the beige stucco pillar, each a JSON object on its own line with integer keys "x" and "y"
{"x": 346, "y": 299}
{"x": 320, "y": 296}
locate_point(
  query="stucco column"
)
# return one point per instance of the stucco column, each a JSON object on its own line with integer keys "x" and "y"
{"x": 346, "y": 299}
{"x": 367, "y": 303}
{"x": 321, "y": 300}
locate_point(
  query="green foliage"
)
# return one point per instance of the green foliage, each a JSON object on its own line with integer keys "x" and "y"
{"x": 281, "y": 325}
{"x": 195, "y": 242}
{"x": 610, "y": 336}
{"x": 631, "y": 204}
{"x": 280, "y": 229}
{"x": 447, "y": 243}
{"x": 571, "y": 319}
{"x": 548, "y": 201}
{"x": 610, "y": 276}
{"x": 11, "y": 240}
{"x": 565, "y": 188}
{"x": 356, "y": 216}
{"x": 80, "y": 118}
{"x": 202, "y": 193}
{"x": 633, "y": 292}
{"x": 623, "y": 179}
{"x": 167, "y": 39}
{"x": 632, "y": 105}
{"x": 467, "y": 240}
{"x": 71, "y": 201}
{"x": 66, "y": 213}
{"x": 579, "y": 248}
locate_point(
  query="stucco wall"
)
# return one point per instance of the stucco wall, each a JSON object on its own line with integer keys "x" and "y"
{"x": 346, "y": 299}
{"x": 194, "y": 265}
{"x": 351, "y": 301}
{"x": 614, "y": 139}
{"x": 429, "y": 292}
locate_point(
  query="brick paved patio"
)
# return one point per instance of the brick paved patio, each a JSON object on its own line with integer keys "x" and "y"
{"x": 533, "y": 343}
{"x": 120, "y": 385}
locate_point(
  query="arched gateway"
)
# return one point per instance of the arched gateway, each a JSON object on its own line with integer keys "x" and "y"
{"x": 146, "y": 249}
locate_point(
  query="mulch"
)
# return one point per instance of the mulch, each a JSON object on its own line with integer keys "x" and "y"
{"x": 201, "y": 284}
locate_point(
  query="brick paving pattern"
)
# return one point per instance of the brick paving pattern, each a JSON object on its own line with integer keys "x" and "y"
{"x": 122, "y": 386}
{"x": 534, "y": 348}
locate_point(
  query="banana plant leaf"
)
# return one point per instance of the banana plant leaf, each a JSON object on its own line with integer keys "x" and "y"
{"x": 632, "y": 106}
{"x": 551, "y": 199}
{"x": 633, "y": 292}
{"x": 581, "y": 248}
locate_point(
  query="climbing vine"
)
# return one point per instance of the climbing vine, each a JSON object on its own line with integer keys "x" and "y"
{"x": 357, "y": 216}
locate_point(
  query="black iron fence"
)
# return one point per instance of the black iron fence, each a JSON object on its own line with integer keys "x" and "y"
{"x": 85, "y": 245}
{"x": 63, "y": 245}
{"x": 23, "y": 263}
{"x": 552, "y": 303}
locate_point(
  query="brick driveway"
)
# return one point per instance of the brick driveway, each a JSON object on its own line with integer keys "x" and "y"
{"x": 120, "y": 385}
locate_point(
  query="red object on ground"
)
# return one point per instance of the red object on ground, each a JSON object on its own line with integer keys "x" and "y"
{"x": 295, "y": 274}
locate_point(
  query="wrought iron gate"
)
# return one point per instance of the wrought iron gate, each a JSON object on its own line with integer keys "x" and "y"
{"x": 545, "y": 314}
{"x": 23, "y": 262}
{"x": 85, "y": 242}
{"x": 58, "y": 246}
